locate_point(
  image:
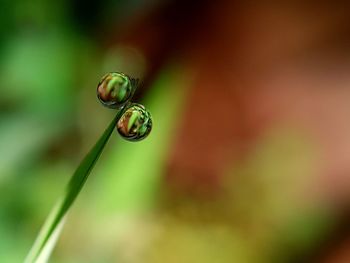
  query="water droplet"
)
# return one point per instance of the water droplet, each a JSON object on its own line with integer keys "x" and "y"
{"x": 115, "y": 89}
{"x": 135, "y": 124}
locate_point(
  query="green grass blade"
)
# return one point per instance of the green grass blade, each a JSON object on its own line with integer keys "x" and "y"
{"x": 50, "y": 231}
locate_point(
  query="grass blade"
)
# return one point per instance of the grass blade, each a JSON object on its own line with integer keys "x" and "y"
{"x": 50, "y": 231}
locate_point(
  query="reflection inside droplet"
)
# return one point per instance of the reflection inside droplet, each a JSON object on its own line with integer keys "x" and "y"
{"x": 114, "y": 90}
{"x": 135, "y": 124}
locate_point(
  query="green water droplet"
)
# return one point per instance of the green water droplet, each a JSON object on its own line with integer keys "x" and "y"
{"x": 115, "y": 89}
{"x": 135, "y": 124}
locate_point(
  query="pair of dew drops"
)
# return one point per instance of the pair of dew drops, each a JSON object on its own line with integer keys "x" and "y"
{"x": 115, "y": 91}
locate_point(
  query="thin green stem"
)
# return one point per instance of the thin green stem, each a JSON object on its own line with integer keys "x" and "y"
{"x": 45, "y": 240}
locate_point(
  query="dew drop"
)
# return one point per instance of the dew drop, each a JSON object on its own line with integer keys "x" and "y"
{"x": 114, "y": 90}
{"x": 135, "y": 124}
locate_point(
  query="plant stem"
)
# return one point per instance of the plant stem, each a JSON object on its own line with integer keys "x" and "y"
{"x": 50, "y": 231}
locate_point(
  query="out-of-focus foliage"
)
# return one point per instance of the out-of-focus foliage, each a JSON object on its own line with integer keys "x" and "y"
{"x": 230, "y": 101}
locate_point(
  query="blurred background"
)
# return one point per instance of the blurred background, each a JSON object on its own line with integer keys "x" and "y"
{"x": 249, "y": 157}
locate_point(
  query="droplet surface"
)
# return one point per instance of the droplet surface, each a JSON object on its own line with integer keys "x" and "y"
{"x": 114, "y": 90}
{"x": 135, "y": 124}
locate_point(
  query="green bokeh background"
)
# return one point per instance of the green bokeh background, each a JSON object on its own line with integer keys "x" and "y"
{"x": 51, "y": 59}
{"x": 51, "y": 62}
